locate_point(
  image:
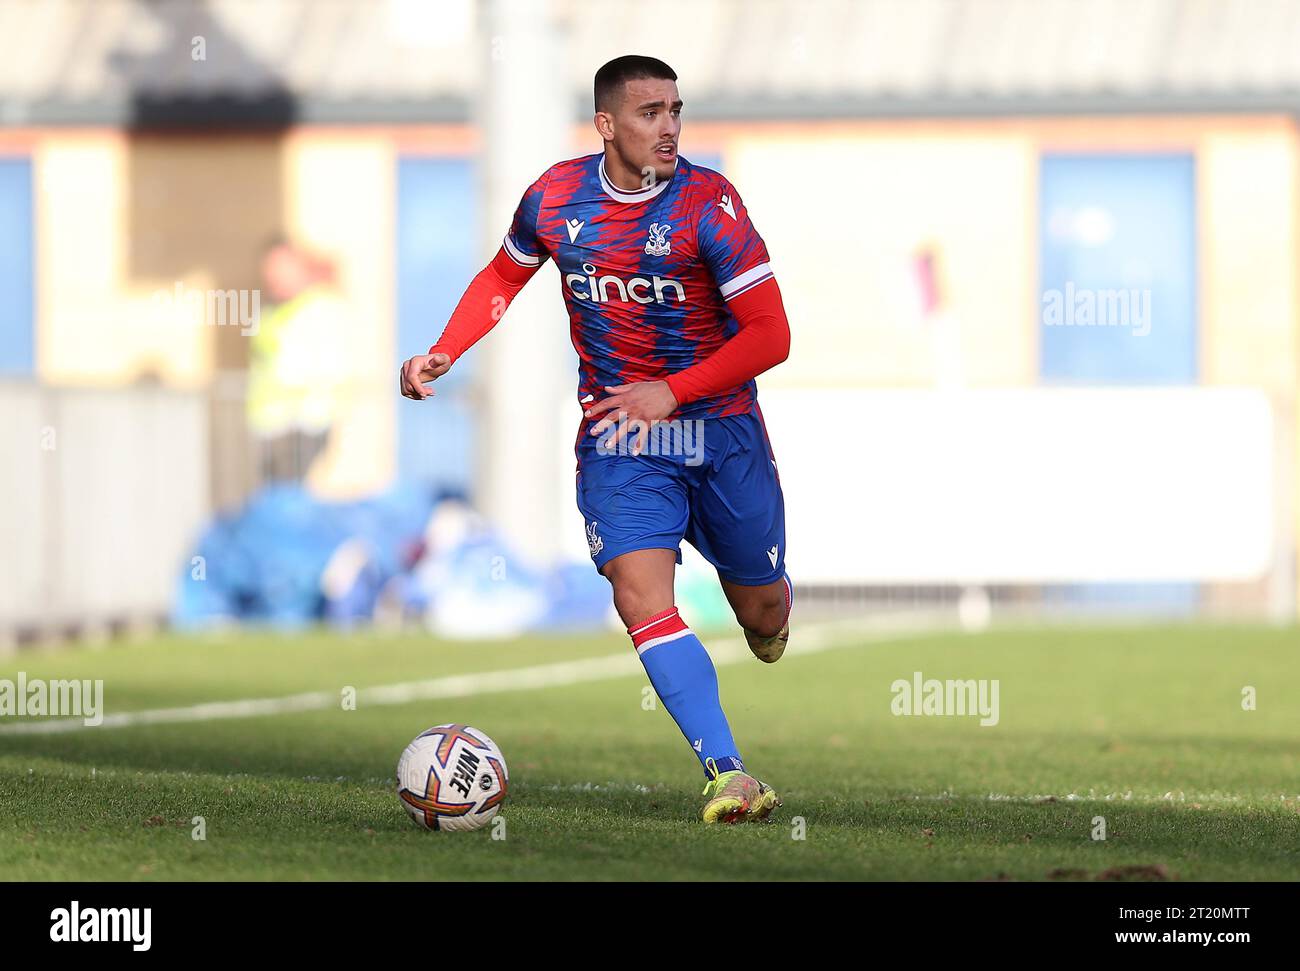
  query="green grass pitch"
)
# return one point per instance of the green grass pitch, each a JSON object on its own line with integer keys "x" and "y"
{"x": 1143, "y": 726}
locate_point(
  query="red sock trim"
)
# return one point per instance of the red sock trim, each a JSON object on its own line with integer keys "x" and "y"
{"x": 665, "y": 622}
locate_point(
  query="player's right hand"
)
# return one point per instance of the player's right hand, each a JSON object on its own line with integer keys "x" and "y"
{"x": 419, "y": 370}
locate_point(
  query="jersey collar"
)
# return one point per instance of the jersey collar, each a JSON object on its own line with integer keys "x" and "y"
{"x": 636, "y": 195}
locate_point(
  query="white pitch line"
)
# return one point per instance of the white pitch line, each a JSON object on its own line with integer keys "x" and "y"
{"x": 1178, "y": 798}
{"x": 809, "y": 640}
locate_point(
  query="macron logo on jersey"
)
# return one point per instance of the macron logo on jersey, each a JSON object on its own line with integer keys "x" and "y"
{"x": 726, "y": 206}
{"x": 575, "y": 227}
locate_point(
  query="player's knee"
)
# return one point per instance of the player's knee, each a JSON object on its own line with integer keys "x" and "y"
{"x": 638, "y": 594}
{"x": 635, "y": 605}
{"x": 764, "y": 615}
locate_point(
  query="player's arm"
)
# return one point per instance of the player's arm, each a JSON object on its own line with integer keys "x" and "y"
{"x": 484, "y": 302}
{"x": 761, "y": 343}
{"x": 486, "y": 299}
{"x": 737, "y": 258}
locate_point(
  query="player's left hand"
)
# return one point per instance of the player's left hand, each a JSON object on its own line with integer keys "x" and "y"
{"x": 632, "y": 407}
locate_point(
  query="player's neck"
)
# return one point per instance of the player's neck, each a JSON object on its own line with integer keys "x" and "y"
{"x": 624, "y": 178}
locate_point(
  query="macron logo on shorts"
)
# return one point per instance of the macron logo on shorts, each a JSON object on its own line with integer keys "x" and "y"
{"x": 772, "y": 555}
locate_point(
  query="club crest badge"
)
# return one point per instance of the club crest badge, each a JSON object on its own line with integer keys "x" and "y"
{"x": 657, "y": 243}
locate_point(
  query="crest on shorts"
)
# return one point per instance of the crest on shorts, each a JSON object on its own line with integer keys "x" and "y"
{"x": 656, "y": 243}
{"x": 594, "y": 542}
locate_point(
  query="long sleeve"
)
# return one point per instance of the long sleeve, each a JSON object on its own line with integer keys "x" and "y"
{"x": 762, "y": 342}
{"x": 484, "y": 302}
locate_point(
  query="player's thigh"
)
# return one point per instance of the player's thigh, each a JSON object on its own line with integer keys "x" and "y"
{"x": 762, "y": 608}
{"x": 642, "y": 582}
{"x": 631, "y": 503}
{"x": 737, "y": 508}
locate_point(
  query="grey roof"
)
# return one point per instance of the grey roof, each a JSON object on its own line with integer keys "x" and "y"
{"x": 130, "y": 61}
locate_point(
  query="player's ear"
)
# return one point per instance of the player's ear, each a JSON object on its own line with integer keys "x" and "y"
{"x": 604, "y": 125}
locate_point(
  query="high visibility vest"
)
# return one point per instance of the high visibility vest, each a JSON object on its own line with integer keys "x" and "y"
{"x": 293, "y": 366}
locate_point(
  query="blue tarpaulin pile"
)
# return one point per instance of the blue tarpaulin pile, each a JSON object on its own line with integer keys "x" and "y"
{"x": 288, "y": 559}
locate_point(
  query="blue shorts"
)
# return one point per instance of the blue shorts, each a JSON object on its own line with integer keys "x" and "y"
{"x": 711, "y": 481}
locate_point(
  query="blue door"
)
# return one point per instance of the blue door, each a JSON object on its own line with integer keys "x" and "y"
{"x": 1117, "y": 231}
{"x": 437, "y": 227}
{"x": 17, "y": 346}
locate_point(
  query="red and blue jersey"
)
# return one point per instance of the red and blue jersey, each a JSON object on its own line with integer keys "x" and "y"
{"x": 647, "y": 274}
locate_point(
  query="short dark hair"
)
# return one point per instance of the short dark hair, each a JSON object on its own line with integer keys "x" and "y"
{"x": 630, "y": 67}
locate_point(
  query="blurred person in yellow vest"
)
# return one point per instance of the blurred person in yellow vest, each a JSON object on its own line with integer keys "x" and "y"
{"x": 296, "y": 366}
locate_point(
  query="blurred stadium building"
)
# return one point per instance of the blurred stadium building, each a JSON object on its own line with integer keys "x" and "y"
{"x": 1040, "y": 260}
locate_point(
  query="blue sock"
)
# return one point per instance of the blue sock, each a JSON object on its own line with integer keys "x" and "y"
{"x": 684, "y": 678}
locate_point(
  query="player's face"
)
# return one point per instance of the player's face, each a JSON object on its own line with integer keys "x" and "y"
{"x": 646, "y": 127}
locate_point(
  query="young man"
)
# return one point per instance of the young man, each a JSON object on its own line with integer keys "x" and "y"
{"x": 674, "y": 311}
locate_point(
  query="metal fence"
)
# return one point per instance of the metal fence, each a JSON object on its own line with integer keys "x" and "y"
{"x": 103, "y": 494}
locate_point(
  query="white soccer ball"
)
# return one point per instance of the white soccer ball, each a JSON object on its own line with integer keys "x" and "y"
{"x": 452, "y": 778}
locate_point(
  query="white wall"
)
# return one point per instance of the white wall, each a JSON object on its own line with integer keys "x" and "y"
{"x": 1027, "y": 485}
